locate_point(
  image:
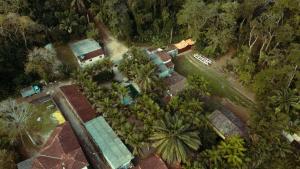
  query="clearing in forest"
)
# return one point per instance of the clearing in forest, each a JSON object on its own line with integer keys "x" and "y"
{"x": 218, "y": 84}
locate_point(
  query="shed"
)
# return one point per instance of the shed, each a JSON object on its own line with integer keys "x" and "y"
{"x": 114, "y": 151}
{"x": 175, "y": 83}
{"x": 184, "y": 45}
{"x": 226, "y": 124}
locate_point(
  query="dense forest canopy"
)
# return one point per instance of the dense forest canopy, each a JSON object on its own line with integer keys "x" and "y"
{"x": 264, "y": 33}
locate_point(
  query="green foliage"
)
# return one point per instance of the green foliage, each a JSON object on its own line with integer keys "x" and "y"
{"x": 173, "y": 138}
{"x": 71, "y": 22}
{"x": 137, "y": 67}
{"x": 7, "y": 159}
{"x": 197, "y": 86}
{"x": 92, "y": 31}
{"x": 228, "y": 154}
{"x": 212, "y": 24}
{"x": 20, "y": 122}
{"x": 287, "y": 100}
{"x": 269, "y": 80}
{"x": 44, "y": 63}
{"x": 18, "y": 33}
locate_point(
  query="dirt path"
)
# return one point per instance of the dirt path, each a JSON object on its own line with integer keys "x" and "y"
{"x": 221, "y": 62}
{"x": 114, "y": 47}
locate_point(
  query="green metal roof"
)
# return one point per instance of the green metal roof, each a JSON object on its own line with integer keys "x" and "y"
{"x": 113, "y": 149}
{"x": 85, "y": 46}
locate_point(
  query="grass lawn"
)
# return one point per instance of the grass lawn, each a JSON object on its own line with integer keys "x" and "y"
{"x": 43, "y": 114}
{"x": 65, "y": 55}
{"x": 218, "y": 85}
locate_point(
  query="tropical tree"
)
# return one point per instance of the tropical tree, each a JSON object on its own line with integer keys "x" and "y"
{"x": 228, "y": 154}
{"x": 173, "y": 138}
{"x": 145, "y": 77}
{"x": 7, "y": 159}
{"x": 15, "y": 120}
{"x": 286, "y": 100}
{"x": 191, "y": 111}
{"x": 43, "y": 62}
{"x": 197, "y": 86}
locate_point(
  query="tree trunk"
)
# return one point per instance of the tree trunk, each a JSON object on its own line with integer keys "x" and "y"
{"x": 24, "y": 38}
{"x": 31, "y": 139}
{"x": 171, "y": 35}
{"x": 292, "y": 77}
{"x": 269, "y": 42}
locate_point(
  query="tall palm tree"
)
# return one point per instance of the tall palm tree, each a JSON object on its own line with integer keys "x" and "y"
{"x": 173, "y": 139}
{"x": 15, "y": 120}
{"x": 286, "y": 99}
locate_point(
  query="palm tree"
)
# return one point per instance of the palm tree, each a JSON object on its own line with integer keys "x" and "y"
{"x": 145, "y": 77}
{"x": 173, "y": 139}
{"x": 230, "y": 152}
{"x": 15, "y": 120}
{"x": 286, "y": 99}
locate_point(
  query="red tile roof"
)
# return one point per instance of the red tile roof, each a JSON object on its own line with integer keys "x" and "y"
{"x": 152, "y": 162}
{"x": 93, "y": 54}
{"x": 164, "y": 56}
{"x": 61, "y": 150}
{"x": 79, "y": 102}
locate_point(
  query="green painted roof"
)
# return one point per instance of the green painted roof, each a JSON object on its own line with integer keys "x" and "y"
{"x": 113, "y": 149}
{"x": 85, "y": 46}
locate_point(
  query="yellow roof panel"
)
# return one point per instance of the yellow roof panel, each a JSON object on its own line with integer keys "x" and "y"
{"x": 59, "y": 117}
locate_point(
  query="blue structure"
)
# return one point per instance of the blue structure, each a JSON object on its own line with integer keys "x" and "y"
{"x": 163, "y": 70}
{"x": 31, "y": 90}
{"x": 133, "y": 92}
{"x": 114, "y": 151}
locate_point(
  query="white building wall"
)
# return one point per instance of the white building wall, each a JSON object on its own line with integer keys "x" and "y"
{"x": 91, "y": 61}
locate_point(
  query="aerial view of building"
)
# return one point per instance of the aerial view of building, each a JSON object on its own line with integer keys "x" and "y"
{"x": 148, "y": 84}
{"x": 112, "y": 148}
{"x": 87, "y": 51}
{"x": 62, "y": 150}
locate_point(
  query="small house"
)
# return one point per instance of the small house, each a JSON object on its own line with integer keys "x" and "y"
{"x": 184, "y": 45}
{"x": 226, "y": 124}
{"x": 61, "y": 150}
{"x": 87, "y": 52}
{"x": 114, "y": 151}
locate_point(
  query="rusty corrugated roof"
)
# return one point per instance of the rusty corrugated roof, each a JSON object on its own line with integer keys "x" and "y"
{"x": 79, "y": 102}
{"x": 61, "y": 150}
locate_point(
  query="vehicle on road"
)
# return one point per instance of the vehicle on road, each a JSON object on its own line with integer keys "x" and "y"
{"x": 30, "y": 90}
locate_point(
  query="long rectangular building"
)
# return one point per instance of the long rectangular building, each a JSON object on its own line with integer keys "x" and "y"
{"x": 78, "y": 102}
{"x": 114, "y": 151}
